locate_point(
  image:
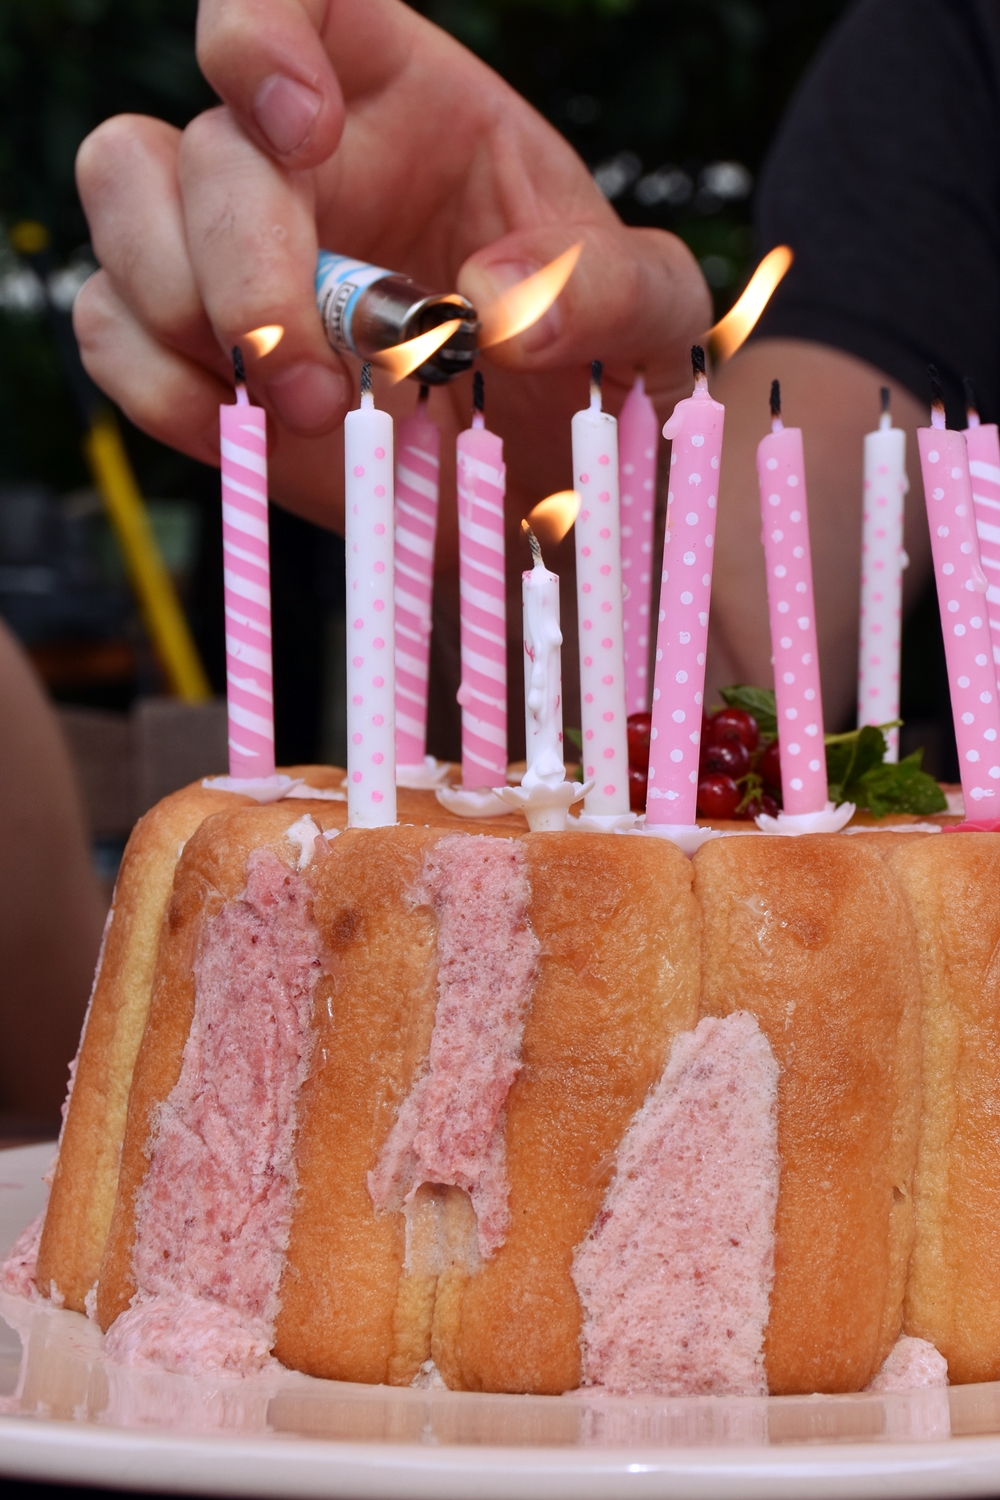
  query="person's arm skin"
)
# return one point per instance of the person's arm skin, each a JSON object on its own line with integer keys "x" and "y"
{"x": 416, "y": 157}
{"x": 50, "y": 905}
{"x": 834, "y": 398}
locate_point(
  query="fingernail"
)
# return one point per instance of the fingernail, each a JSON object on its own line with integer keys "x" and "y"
{"x": 285, "y": 111}
{"x": 499, "y": 278}
{"x": 309, "y": 398}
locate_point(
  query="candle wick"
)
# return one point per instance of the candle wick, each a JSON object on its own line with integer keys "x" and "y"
{"x": 239, "y": 375}
{"x": 596, "y": 378}
{"x": 698, "y": 370}
{"x": 777, "y": 425}
{"x": 367, "y": 398}
{"x": 478, "y": 420}
{"x": 971, "y": 406}
{"x": 640, "y": 384}
{"x": 938, "y": 418}
{"x": 422, "y": 395}
{"x": 533, "y": 543}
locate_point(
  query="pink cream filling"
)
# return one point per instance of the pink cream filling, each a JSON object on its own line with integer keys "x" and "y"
{"x": 675, "y": 1275}
{"x": 17, "y": 1272}
{"x": 450, "y": 1128}
{"x": 214, "y": 1212}
{"x": 911, "y": 1364}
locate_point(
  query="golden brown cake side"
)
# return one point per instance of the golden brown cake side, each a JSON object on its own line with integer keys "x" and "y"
{"x": 341, "y": 1313}
{"x": 813, "y": 937}
{"x": 953, "y": 1292}
{"x": 619, "y": 937}
{"x": 212, "y": 870}
{"x": 86, "y": 1175}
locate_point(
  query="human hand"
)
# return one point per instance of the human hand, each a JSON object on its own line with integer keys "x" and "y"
{"x": 359, "y": 126}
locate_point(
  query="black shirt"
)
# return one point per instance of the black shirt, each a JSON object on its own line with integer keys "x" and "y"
{"x": 885, "y": 180}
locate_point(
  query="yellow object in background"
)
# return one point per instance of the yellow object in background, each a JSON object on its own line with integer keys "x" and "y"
{"x": 154, "y": 588}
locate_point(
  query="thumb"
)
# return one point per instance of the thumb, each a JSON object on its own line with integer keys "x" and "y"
{"x": 266, "y": 60}
{"x": 635, "y": 299}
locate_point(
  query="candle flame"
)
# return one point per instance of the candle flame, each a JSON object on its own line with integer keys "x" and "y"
{"x": 263, "y": 340}
{"x": 523, "y": 304}
{"x": 553, "y": 516}
{"x": 730, "y": 332}
{"x": 402, "y": 359}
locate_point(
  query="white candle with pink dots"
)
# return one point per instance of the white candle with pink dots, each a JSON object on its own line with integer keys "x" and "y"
{"x": 599, "y": 603}
{"x": 961, "y": 589}
{"x": 695, "y": 433}
{"x": 983, "y": 442}
{"x": 637, "y": 443}
{"x": 371, "y": 678}
{"x": 882, "y": 562}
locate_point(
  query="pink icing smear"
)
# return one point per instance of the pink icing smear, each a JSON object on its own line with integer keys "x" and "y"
{"x": 675, "y": 1275}
{"x": 911, "y": 1365}
{"x": 17, "y": 1272}
{"x": 214, "y": 1212}
{"x": 450, "y": 1128}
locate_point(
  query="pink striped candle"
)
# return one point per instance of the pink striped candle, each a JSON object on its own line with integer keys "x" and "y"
{"x": 482, "y": 481}
{"x": 695, "y": 432}
{"x": 961, "y": 588}
{"x": 599, "y": 604}
{"x": 784, "y": 510}
{"x": 246, "y": 585}
{"x": 637, "y": 440}
{"x": 418, "y": 459}
{"x": 983, "y": 442}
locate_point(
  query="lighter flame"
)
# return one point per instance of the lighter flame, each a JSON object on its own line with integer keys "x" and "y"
{"x": 554, "y": 515}
{"x": 729, "y": 333}
{"x": 402, "y": 359}
{"x": 263, "y": 340}
{"x": 523, "y": 304}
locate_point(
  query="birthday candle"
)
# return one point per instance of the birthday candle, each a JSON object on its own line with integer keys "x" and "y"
{"x": 542, "y": 671}
{"x": 482, "y": 481}
{"x": 784, "y": 512}
{"x": 961, "y": 588}
{"x": 882, "y": 561}
{"x": 599, "y": 604}
{"x": 371, "y": 686}
{"x": 418, "y": 452}
{"x": 637, "y": 440}
{"x": 695, "y": 432}
{"x": 246, "y": 584}
{"x": 983, "y": 443}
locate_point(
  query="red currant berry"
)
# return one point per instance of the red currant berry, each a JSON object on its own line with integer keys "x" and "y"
{"x": 734, "y": 724}
{"x": 638, "y": 726}
{"x": 718, "y": 796}
{"x": 769, "y": 766}
{"x": 731, "y": 757}
{"x": 636, "y": 789}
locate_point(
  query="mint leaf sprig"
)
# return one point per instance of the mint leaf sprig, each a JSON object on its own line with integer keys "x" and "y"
{"x": 856, "y": 767}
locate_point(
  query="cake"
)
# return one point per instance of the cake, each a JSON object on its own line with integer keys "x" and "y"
{"x": 524, "y": 1112}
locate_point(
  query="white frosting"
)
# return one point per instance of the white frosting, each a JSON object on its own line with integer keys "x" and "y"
{"x": 956, "y": 804}
{"x": 606, "y": 822}
{"x": 425, "y": 777}
{"x": 276, "y": 788}
{"x": 897, "y": 828}
{"x": 482, "y": 803}
{"x": 545, "y": 806}
{"x": 687, "y": 836}
{"x": 829, "y": 819}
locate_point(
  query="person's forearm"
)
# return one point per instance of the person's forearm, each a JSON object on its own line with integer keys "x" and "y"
{"x": 834, "y": 398}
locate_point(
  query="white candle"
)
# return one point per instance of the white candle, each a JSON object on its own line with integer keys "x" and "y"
{"x": 371, "y": 676}
{"x": 882, "y": 563}
{"x": 542, "y": 672}
{"x": 599, "y": 603}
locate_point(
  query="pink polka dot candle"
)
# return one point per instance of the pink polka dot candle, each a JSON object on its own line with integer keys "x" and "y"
{"x": 371, "y": 676}
{"x": 599, "y": 604}
{"x": 638, "y": 437}
{"x": 882, "y": 561}
{"x": 784, "y": 511}
{"x": 983, "y": 442}
{"x": 246, "y": 562}
{"x": 695, "y": 432}
{"x": 961, "y": 590}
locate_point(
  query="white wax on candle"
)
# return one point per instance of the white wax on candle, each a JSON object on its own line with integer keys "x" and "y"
{"x": 371, "y": 677}
{"x": 599, "y": 603}
{"x": 542, "y": 677}
{"x": 882, "y": 562}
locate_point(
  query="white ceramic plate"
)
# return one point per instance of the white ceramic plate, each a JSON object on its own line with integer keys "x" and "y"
{"x": 67, "y": 1414}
